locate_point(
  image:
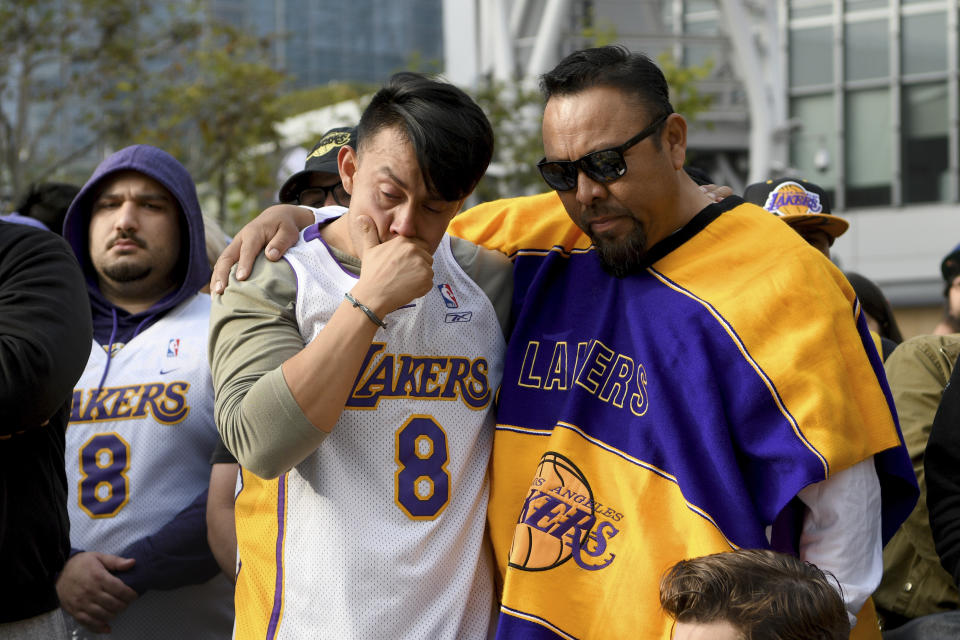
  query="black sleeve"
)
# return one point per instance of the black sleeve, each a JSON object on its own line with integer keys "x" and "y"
{"x": 222, "y": 455}
{"x": 942, "y": 467}
{"x": 45, "y": 326}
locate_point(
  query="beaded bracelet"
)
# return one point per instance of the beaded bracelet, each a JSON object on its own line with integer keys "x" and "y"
{"x": 367, "y": 310}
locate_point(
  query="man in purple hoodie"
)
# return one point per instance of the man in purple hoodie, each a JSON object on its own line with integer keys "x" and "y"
{"x": 141, "y": 426}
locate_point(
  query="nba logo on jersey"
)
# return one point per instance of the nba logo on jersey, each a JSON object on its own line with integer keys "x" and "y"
{"x": 173, "y": 347}
{"x": 448, "y": 298}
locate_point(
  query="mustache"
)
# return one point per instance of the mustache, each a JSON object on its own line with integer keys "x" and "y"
{"x": 602, "y": 210}
{"x": 127, "y": 235}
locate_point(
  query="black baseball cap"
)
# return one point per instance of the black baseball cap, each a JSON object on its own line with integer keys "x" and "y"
{"x": 798, "y": 202}
{"x": 322, "y": 159}
{"x": 950, "y": 267}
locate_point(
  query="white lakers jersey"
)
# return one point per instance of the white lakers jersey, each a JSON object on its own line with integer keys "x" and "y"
{"x": 137, "y": 452}
{"x": 380, "y": 533}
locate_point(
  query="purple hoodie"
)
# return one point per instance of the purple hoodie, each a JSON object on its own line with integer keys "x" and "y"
{"x": 111, "y": 324}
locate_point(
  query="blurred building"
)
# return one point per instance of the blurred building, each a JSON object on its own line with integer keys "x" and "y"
{"x": 859, "y": 96}
{"x": 332, "y": 40}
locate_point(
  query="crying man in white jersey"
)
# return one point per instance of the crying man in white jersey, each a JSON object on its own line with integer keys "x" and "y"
{"x": 355, "y": 382}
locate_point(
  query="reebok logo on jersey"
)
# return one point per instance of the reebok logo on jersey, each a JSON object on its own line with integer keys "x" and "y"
{"x": 173, "y": 347}
{"x": 460, "y": 316}
{"x": 446, "y": 292}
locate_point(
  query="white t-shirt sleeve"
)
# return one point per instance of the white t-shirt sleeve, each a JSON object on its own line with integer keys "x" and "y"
{"x": 842, "y": 534}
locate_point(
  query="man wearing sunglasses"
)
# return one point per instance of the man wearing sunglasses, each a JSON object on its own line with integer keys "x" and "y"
{"x": 667, "y": 390}
{"x": 319, "y": 184}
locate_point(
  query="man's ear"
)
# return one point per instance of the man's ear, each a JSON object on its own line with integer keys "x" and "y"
{"x": 674, "y": 137}
{"x": 347, "y": 162}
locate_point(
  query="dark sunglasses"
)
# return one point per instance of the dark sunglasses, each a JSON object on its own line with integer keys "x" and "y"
{"x": 316, "y": 196}
{"x": 603, "y": 166}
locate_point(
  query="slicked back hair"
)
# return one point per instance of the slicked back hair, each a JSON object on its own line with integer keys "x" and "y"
{"x": 614, "y": 66}
{"x": 450, "y": 134}
{"x": 764, "y": 594}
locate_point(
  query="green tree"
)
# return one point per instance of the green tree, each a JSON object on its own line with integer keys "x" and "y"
{"x": 684, "y": 82}
{"x": 217, "y": 117}
{"x": 515, "y": 110}
{"x": 60, "y": 65}
{"x": 83, "y": 77}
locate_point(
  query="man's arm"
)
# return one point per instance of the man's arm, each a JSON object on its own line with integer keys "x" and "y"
{"x": 175, "y": 555}
{"x": 842, "y": 533}
{"x": 221, "y": 528}
{"x": 277, "y": 229}
{"x": 45, "y": 327}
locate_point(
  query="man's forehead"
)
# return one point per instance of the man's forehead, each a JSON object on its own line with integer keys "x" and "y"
{"x": 597, "y": 117}
{"x": 140, "y": 183}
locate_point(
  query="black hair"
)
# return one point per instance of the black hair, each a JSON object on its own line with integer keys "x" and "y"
{"x": 450, "y": 134}
{"x": 875, "y": 304}
{"x": 612, "y": 66}
{"x": 47, "y": 202}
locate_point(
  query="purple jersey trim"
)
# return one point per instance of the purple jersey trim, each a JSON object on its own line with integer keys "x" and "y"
{"x": 514, "y": 623}
{"x": 313, "y": 233}
{"x": 278, "y": 587}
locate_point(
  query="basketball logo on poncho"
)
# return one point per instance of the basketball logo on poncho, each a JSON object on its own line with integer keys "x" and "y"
{"x": 559, "y": 507}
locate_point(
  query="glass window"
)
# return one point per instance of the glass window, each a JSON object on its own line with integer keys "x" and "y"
{"x": 808, "y": 8}
{"x": 867, "y": 50}
{"x": 924, "y": 43}
{"x": 695, "y": 54}
{"x": 868, "y": 148}
{"x": 813, "y": 148}
{"x": 691, "y": 6}
{"x": 926, "y": 146}
{"x": 811, "y": 56}
{"x": 854, "y": 5}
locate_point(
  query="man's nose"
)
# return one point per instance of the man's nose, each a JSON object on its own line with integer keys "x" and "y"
{"x": 128, "y": 216}
{"x": 403, "y": 222}
{"x": 588, "y": 189}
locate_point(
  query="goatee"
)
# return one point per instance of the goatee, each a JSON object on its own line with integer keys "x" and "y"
{"x": 124, "y": 272}
{"x": 622, "y": 256}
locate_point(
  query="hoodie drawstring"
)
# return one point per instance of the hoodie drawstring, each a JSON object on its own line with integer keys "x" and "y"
{"x": 113, "y": 334}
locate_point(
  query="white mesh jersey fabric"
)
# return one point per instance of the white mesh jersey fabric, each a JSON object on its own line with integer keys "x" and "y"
{"x": 385, "y": 521}
{"x": 139, "y": 453}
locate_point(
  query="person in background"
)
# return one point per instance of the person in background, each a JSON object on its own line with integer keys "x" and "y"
{"x": 45, "y": 332}
{"x": 141, "y": 426}
{"x": 941, "y": 461}
{"x": 802, "y": 205}
{"x": 46, "y": 203}
{"x": 877, "y": 310}
{"x": 950, "y": 270}
{"x": 914, "y": 584}
{"x": 753, "y": 594}
{"x": 319, "y": 183}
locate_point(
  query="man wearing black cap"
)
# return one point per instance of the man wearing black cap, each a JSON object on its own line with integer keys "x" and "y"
{"x": 319, "y": 185}
{"x": 802, "y": 205}
{"x": 950, "y": 269}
